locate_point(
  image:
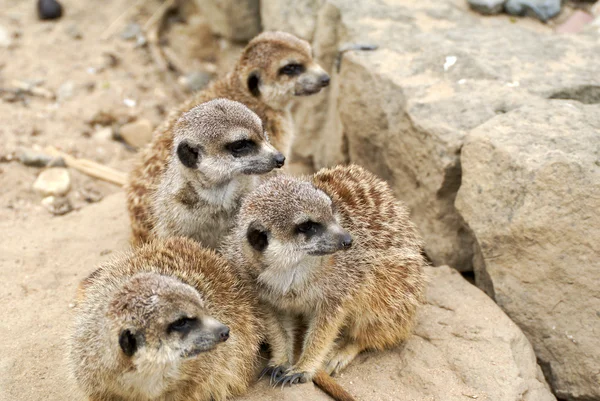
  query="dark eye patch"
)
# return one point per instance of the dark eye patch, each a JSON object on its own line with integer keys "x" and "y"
{"x": 182, "y": 325}
{"x": 292, "y": 69}
{"x": 241, "y": 148}
{"x": 309, "y": 228}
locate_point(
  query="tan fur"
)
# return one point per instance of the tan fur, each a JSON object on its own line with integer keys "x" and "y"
{"x": 263, "y": 57}
{"x": 143, "y": 292}
{"x": 363, "y": 298}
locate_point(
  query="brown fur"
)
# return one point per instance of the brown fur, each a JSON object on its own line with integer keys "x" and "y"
{"x": 111, "y": 299}
{"x": 363, "y": 298}
{"x": 263, "y": 56}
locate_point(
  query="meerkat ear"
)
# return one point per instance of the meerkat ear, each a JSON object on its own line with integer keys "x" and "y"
{"x": 253, "y": 82}
{"x": 127, "y": 342}
{"x": 188, "y": 154}
{"x": 257, "y": 237}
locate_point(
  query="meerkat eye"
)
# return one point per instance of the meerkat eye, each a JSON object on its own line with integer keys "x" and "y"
{"x": 308, "y": 227}
{"x": 292, "y": 69}
{"x": 241, "y": 148}
{"x": 182, "y": 325}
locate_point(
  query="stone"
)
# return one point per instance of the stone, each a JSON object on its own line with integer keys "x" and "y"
{"x": 396, "y": 111}
{"x": 53, "y": 181}
{"x": 488, "y": 7}
{"x": 530, "y": 193}
{"x": 540, "y": 9}
{"x": 57, "y": 205}
{"x": 103, "y": 134}
{"x": 233, "y": 19}
{"x": 137, "y": 133}
{"x": 5, "y": 38}
{"x": 49, "y": 9}
{"x": 33, "y": 158}
{"x": 65, "y": 91}
{"x": 463, "y": 347}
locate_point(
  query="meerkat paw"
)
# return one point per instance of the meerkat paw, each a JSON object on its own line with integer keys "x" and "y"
{"x": 341, "y": 358}
{"x": 292, "y": 376}
{"x": 276, "y": 372}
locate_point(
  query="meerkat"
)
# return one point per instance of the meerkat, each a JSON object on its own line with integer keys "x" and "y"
{"x": 340, "y": 252}
{"x": 273, "y": 69}
{"x": 219, "y": 149}
{"x": 167, "y": 322}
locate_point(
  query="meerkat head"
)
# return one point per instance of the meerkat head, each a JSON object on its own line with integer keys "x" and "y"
{"x": 221, "y": 139}
{"x": 157, "y": 323}
{"x": 286, "y": 220}
{"x": 275, "y": 66}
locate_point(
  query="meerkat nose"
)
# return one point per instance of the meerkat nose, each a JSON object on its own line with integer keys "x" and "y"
{"x": 224, "y": 334}
{"x": 279, "y": 160}
{"x": 346, "y": 241}
{"x": 325, "y": 80}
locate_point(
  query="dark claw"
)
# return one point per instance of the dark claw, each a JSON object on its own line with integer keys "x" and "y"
{"x": 291, "y": 379}
{"x": 275, "y": 372}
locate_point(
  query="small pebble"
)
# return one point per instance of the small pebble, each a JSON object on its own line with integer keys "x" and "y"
{"x": 57, "y": 205}
{"x": 53, "y": 181}
{"x": 104, "y": 134}
{"x": 5, "y": 39}
{"x": 66, "y": 91}
{"x": 540, "y": 9}
{"x": 137, "y": 134}
{"x": 129, "y": 102}
{"x": 49, "y": 9}
{"x": 488, "y": 7}
{"x": 90, "y": 195}
{"x": 32, "y": 158}
{"x": 575, "y": 23}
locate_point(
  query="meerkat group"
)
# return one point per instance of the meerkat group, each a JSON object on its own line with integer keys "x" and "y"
{"x": 224, "y": 259}
{"x": 191, "y": 169}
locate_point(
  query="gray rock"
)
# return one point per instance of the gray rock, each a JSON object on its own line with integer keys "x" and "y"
{"x": 32, "y": 158}
{"x": 531, "y": 193}
{"x": 53, "y": 181}
{"x": 488, "y": 7}
{"x": 540, "y": 9}
{"x": 237, "y": 20}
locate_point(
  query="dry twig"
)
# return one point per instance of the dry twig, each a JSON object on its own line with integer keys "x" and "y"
{"x": 90, "y": 168}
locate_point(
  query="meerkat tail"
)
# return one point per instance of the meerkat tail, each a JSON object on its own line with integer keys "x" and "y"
{"x": 332, "y": 388}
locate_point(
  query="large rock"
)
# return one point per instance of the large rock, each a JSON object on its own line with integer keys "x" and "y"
{"x": 403, "y": 110}
{"x": 234, "y": 20}
{"x": 296, "y": 17}
{"x": 531, "y": 194}
{"x": 464, "y": 347}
